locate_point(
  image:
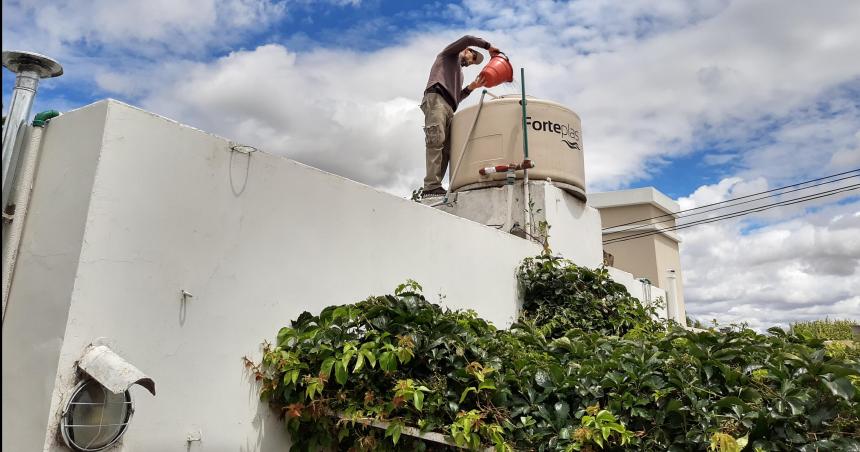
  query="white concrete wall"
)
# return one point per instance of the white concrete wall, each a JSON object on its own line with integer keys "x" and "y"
{"x": 38, "y": 304}
{"x": 257, "y": 240}
{"x": 574, "y": 227}
{"x": 645, "y": 293}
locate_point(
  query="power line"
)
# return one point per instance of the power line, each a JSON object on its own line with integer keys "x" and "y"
{"x": 740, "y": 197}
{"x": 675, "y": 216}
{"x": 736, "y": 214}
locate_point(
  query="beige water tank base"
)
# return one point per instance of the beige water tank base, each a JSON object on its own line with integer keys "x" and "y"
{"x": 574, "y": 191}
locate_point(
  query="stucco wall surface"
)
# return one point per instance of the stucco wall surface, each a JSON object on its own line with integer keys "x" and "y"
{"x": 635, "y": 256}
{"x": 574, "y": 227}
{"x": 623, "y": 216}
{"x": 257, "y": 239}
{"x": 644, "y": 292}
{"x": 38, "y": 304}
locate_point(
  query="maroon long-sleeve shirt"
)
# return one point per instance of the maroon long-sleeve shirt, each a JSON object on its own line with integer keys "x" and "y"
{"x": 447, "y": 72}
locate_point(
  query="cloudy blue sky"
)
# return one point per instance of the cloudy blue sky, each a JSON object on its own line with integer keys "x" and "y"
{"x": 705, "y": 100}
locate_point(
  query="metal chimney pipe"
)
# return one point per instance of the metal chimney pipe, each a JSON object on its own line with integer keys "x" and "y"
{"x": 29, "y": 67}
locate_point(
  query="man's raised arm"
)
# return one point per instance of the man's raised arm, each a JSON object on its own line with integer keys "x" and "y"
{"x": 464, "y": 42}
{"x": 479, "y": 82}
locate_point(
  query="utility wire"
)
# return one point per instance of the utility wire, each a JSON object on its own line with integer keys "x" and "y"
{"x": 675, "y": 216}
{"x": 736, "y": 214}
{"x": 740, "y": 213}
{"x": 735, "y": 199}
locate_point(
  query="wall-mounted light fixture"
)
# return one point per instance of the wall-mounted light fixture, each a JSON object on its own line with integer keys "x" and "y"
{"x": 95, "y": 418}
{"x": 100, "y": 408}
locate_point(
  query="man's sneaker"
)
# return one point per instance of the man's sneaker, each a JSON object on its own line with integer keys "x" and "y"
{"x": 435, "y": 192}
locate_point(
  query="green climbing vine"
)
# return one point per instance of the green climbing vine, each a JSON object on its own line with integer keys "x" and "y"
{"x": 585, "y": 368}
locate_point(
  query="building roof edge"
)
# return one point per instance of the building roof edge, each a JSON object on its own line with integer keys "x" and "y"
{"x": 644, "y": 195}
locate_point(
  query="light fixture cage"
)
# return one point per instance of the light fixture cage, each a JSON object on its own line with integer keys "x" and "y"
{"x": 95, "y": 418}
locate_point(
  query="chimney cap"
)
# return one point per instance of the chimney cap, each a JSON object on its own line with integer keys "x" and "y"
{"x": 18, "y": 61}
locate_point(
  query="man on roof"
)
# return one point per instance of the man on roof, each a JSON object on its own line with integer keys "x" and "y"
{"x": 443, "y": 94}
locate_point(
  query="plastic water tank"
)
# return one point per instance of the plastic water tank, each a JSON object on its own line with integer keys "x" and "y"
{"x": 554, "y": 136}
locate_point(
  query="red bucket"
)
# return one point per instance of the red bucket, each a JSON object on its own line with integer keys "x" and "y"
{"x": 498, "y": 70}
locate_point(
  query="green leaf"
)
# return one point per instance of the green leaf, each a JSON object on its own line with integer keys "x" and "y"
{"x": 542, "y": 379}
{"x": 418, "y": 400}
{"x": 792, "y": 357}
{"x": 393, "y": 431}
{"x": 404, "y": 354}
{"x": 371, "y": 358}
{"x": 340, "y": 373}
{"x": 564, "y": 433}
{"x": 346, "y": 358}
{"x": 709, "y": 371}
{"x": 487, "y": 384}
{"x": 562, "y": 411}
{"x": 359, "y": 363}
{"x": 743, "y": 440}
{"x": 605, "y": 416}
{"x": 724, "y": 442}
{"x": 841, "y": 387}
{"x": 325, "y": 369}
{"x": 673, "y": 405}
{"x": 729, "y": 401}
{"x": 466, "y": 392}
{"x": 750, "y": 395}
{"x": 796, "y": 405}
{"x": 388, "y": 361}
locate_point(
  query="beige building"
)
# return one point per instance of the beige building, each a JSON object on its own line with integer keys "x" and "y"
{"x": 640, "y": 218}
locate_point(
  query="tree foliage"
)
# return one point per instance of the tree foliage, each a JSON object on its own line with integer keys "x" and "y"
{"x": 584, "y": 368}
{"x": 826, "y": 329}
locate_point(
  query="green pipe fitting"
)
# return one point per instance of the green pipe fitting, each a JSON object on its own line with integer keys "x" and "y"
{"x": 42, "y": 118}
{"x": 523, "y": 102}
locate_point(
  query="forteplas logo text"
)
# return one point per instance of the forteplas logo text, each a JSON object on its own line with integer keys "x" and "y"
{"x": 569, "y": 135}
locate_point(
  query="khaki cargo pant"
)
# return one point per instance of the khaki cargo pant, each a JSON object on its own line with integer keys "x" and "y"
{"x": 437, "y": 127}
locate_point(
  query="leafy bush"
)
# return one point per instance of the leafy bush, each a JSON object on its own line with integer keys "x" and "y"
{"x": 605, "y": 376}
{"x": 833, "y": 330}
{"x": 559, "y": 296}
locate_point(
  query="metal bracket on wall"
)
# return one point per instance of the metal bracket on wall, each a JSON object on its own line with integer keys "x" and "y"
{"x": 242, "y": 148}
{"x": 186, "y": 295}
{"x": 196, "y": 435}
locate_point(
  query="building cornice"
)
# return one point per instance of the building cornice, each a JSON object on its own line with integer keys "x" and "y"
{"x": 621, "y": 198}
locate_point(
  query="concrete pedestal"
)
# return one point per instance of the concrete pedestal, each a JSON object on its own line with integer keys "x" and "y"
{"x": 573, "y": 229}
